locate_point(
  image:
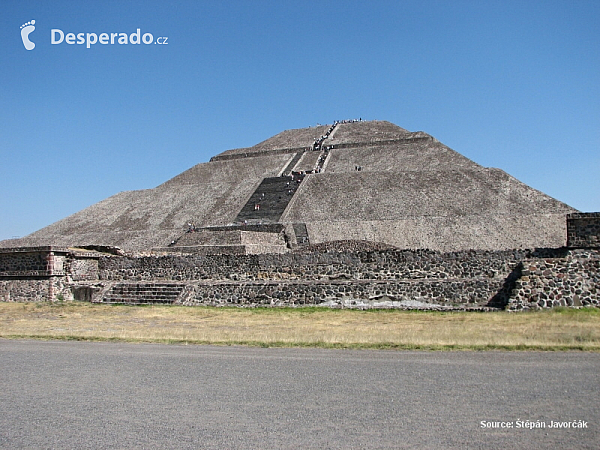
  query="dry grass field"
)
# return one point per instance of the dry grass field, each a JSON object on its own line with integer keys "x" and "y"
{"x": 559, "y": 329}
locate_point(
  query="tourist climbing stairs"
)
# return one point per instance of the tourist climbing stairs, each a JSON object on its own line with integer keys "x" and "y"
{"x": 308, "y": 163}
{"x": 143, "y": 293}
{"x": 269, "y": 200}
{"x": 290, "y": 167}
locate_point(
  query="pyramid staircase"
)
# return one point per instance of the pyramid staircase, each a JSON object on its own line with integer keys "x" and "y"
{"x": 301, "y": 234}
{"x": 288, "y": 170}
{"x": 269, "y": 200}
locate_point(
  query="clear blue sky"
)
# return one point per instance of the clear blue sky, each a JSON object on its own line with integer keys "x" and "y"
{"x": 510, "y": 84}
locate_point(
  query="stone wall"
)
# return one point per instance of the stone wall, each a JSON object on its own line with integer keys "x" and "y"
{"x": 35, "y": 289}
{"x": 517, "y": 279}
{"x": 23, "y": 264}
{"x": 403, "y": 279}
{"x": 375, "y": 265}
{"x": 80, "y": 269}
{"x": 411, "y": 279}
{"x": 32, "y": 262}
{"x": 421, "y": 294}
{"x": 44, "y": 273}
{"x": 573, "y": 280}
{"x": 583, "y": 230}
{"x": 460, "y": 233}
{"x": 229, "y": 240}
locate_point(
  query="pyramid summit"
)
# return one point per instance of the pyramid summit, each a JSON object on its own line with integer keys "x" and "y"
{"x": 349, "y": 181}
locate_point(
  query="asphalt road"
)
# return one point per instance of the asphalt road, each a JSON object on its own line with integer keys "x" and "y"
{"x": 107, "y": 395}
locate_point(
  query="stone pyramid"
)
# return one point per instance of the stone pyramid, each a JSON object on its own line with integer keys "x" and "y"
{"x": 351, "y": 181}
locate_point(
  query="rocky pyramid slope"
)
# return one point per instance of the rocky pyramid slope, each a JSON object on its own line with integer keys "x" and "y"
{"x": 361, "y": 180}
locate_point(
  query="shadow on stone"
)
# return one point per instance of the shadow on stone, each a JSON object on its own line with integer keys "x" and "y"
{"x": 501, "y": 298}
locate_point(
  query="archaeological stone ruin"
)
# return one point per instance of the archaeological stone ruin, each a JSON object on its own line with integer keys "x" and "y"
{"x": 361, "y": 214}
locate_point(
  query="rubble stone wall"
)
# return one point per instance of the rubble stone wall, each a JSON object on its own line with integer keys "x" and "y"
{"x": 22, "y": 263}
{"x": 376, "y": 265}
{"x": 83, "y": 269}
{"x": 516, "y": 279}
{"x": 583, "y": 230}
{"x": 366, "y": 294}
{"x": 35, "y": 289}
{"x": 573, "y": 280}
{"x": 43, "y": 273}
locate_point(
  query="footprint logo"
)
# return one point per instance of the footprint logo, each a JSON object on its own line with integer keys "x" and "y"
{"x": 26, "y": 29}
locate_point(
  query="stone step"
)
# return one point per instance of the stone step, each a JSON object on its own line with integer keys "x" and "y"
{"x": 308, "y": 162}
{"x": 301, "y": 234}
{"x": 292, "y": 164}
{"x": 269, "y": 200}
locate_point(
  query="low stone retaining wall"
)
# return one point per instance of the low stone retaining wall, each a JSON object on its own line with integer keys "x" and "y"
{"x": 48, "y": 261}
{"x": 20, "y": 263}
{"x": 371, "y": 265}
{"x": 416, "y": 279}
{"x": 44, "y": 273}
{"x": 573, "y": 280}
{"x": 35, "y": 289}
{"x": 389, "y": 278}
{"x": 416, "y": 294}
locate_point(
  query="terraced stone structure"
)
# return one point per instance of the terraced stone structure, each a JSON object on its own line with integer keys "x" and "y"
{"x": 357, "y": 180}
{"x": 353, "y": 214}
